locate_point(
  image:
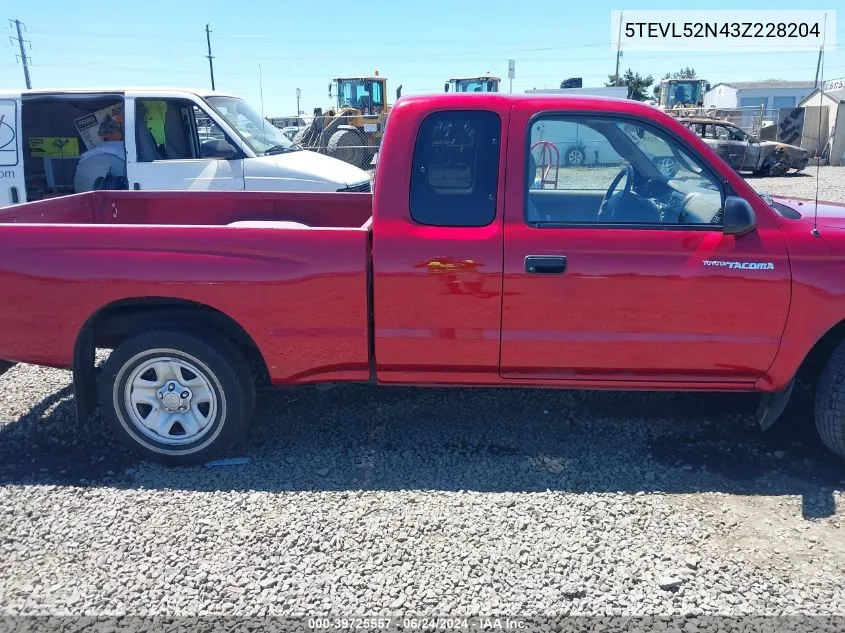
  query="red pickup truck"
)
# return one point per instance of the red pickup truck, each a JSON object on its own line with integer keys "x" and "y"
{"x": 484, "y": 256}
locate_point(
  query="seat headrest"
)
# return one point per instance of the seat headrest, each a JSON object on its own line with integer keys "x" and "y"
{"x": 532, "y": 169}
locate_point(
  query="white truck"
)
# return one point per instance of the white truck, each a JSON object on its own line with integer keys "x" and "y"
{"x": 60, "y": 142}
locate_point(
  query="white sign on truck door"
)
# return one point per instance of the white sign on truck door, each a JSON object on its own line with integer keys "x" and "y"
{"x": 12, "y": 188}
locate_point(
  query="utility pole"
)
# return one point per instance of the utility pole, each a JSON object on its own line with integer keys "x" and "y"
{"x": 24, "y": 59}
{"x": 209, "y": 56}
{"x": 298, "y": 97}
{"x": 618, "y": 51}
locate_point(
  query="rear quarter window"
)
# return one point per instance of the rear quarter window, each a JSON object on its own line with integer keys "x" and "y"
{"x": 455, "y": 170}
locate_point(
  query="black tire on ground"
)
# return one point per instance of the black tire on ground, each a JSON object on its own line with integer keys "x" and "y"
{"x": 348, "y": 146}
{"x": 575, "y": 156}
{"x": 830, "y": 402}
{"x": 214, "y": 384}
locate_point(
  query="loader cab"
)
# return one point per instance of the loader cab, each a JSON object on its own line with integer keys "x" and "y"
{"x": 367, "y": 94}
{"x": 473, "y": 84}
{"x": 682, "y": 92}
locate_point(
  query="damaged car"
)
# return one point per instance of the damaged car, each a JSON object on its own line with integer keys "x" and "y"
{"x": 744, "y": 151}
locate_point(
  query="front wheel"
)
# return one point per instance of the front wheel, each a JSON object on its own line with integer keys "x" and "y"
{"x": 177, "y": 397}
{"x": 830, "y": 402}
{"x": 347, "y": 145}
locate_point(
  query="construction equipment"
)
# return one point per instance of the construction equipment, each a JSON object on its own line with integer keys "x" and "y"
{"x": 680, "y": 94}
{"x": 351, "y": 129}
{"x": 485, "y": 83}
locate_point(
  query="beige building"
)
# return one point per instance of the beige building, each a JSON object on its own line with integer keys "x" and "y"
{"x": 824, "y": 121}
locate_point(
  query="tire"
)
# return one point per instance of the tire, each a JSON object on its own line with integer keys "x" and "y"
{"x": 575, "y": 156}
{"x": 348, "y": 146}
{"x": 830, "y": 403}
{"x": 218, "y": 401}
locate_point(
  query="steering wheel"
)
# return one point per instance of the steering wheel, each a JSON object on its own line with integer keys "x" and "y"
{"x": 605, "y": 214}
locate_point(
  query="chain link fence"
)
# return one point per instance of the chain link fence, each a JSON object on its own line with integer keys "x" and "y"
{"x": 352, "y": 139}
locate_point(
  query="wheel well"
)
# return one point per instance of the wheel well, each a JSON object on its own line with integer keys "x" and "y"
{"x": 112, "y": 324}
{"x": 815, "y": 360}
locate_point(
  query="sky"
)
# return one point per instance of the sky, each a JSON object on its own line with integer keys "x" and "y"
{"x": 264, "y": 50}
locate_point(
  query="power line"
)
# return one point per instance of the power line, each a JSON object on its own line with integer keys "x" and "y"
{"x": 24, "y": 59}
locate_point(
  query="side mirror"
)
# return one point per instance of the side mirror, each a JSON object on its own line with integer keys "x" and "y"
{"x": 446, "y": 87}
{"x": 217, "y": 148}
{"x": 399, "y": 92}
{"x": 739, "y": 217}
{"x": 330, "y": 91}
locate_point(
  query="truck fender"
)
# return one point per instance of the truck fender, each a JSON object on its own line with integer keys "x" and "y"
{"x": 772, "y": 405}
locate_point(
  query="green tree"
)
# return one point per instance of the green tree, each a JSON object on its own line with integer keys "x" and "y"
{"x": 683, "y": 73}
{"x": 637, "y": 84}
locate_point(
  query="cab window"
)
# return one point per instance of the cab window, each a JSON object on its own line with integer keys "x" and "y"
{"x": 176, "y": 129}
{"x": 602, "y": 170}
{"x": 377, "y": 96}
{"x": 455, "y": 169}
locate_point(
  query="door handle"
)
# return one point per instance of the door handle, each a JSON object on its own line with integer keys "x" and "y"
{"x": 545, "y": 264}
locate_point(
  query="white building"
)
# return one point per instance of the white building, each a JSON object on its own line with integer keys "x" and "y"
{"x": 771, "y": 95}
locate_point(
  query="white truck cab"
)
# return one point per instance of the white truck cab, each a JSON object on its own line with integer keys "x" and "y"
{"x": 59, "y": 142}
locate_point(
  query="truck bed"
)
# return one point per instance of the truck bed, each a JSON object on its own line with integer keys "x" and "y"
{"x": 196, "y": 208}
{"x": 288, "y": 268}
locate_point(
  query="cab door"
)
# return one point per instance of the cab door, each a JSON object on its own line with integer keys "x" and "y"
{"x": 177, "y": 145}
{"x": 437, "y": 248}
{"x": 639, "y": 294}
{"x": 12, "y": 180}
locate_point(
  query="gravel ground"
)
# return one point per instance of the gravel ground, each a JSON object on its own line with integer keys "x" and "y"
{"x": 831, "y": 181}
{"x": 430, "y": 501}
{"x": 359, "y": 500}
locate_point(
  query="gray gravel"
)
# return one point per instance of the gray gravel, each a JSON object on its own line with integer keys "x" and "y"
{"x": 359, "y": 500}
{"x": 831, "y": 181}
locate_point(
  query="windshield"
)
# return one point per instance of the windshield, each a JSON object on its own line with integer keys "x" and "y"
{"x": 363, "y": 94}
{"x": 261, "y": 135}
{"x": 473, "y": 85}
{"x": 682, "y": 92}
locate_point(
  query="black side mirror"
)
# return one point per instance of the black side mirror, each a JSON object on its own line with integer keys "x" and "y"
{"x": 446, "y": 87}
{"x": 399, "y": 92}
{"x": 217, "y": 148}
{"x": 739, "y": 217}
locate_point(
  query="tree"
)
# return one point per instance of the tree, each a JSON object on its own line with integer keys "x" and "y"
{"x": 683, "y": 73}
{"x": 637, "y": 84}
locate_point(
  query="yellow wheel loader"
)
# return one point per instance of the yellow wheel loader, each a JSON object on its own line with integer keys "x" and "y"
{"x": 351, "y": 129}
